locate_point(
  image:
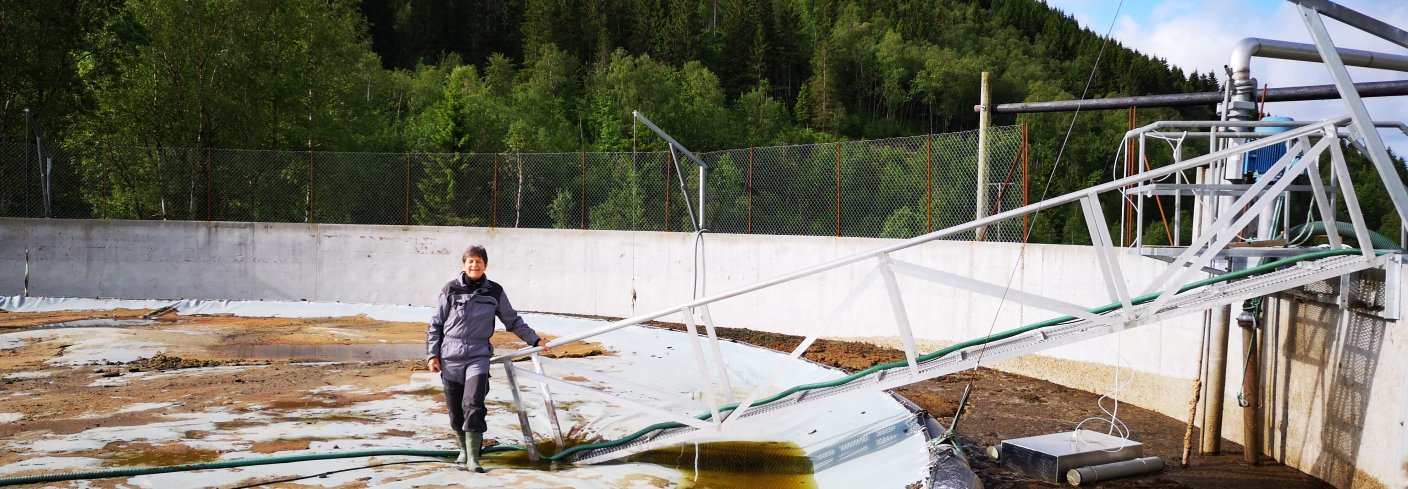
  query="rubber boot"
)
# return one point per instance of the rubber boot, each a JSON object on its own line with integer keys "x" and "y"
{"x": 459, "y": 440}
{"x": 475, "y": 444}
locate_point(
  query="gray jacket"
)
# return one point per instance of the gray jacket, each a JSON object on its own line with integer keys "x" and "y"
{"x": 460, "y": 329}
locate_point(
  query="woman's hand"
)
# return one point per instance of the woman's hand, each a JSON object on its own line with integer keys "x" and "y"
{"x": 433, "y": 364}
{"x": 543, "y": 343}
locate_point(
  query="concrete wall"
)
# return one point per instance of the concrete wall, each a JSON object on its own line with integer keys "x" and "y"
{"x": 621, "y": 274}
{"x": 1335, "y": 392}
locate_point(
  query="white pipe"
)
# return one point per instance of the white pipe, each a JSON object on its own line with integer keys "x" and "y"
{"x": 1242, "y": 106}
{"x": 1241, "y": 58}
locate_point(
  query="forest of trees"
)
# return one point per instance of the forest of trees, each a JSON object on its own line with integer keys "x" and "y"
{"x": 525, "y": 76}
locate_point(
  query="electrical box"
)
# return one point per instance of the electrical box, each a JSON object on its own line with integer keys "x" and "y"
{"x": 1050, "y": 456}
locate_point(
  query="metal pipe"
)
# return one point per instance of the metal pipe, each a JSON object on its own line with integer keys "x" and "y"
{"x": 548, "y": 405}
{"x": 1115, "y": 470}
{"x": 1242, "y": 53}
{"x": 1154, "y": 126}
{"x": 1243, "y": 105}
{"x": 942, "y": 233}
{"x": 1251, "y": 387}
{"x": 1284, "y": 94}
{"x": 528, "y": 442}
{"x": 1217, "y": 381}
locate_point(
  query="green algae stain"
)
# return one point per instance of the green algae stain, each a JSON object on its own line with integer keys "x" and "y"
{"x": 162, "y": 456}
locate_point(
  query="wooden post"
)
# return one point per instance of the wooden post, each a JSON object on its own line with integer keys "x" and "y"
{"x": 1026, "y": 195}
{"x": 984, "y": 120}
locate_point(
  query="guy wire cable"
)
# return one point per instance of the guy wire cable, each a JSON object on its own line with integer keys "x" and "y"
{"x": 1026, "y": 237}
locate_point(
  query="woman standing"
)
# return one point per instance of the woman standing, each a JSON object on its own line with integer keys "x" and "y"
{"x": 457, "y": 346}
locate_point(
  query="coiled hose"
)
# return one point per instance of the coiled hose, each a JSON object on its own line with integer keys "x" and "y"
{"x": 1302, "y": 233}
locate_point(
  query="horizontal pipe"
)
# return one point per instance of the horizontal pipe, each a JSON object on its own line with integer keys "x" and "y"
{"x": 1285, "y": 94}
{"x": 1155, "y": 126}
{"x": 1241, "y": 59}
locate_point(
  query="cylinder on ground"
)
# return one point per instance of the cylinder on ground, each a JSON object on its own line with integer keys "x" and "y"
{"x": 1104, "y": 472}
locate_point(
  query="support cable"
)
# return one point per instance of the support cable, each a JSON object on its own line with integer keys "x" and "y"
{"x": 1026, "y": 237}
{"x": 1046, "y": 188}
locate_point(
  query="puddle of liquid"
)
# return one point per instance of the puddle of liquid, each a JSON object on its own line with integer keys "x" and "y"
{"x": 735, "y": 464}
{"x": 323, "y": 353}
{"x": 721, "y": 465}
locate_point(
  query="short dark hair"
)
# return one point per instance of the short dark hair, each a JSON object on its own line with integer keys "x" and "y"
{"x": 475, "y": 250}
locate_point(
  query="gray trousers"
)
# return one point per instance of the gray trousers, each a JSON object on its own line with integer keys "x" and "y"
{"x": 466, "y": 402}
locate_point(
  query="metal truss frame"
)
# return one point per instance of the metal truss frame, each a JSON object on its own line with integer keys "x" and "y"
{"x": 1309, "y": 144}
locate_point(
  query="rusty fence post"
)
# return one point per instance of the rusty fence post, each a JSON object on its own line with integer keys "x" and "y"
{"x": 750, "y": 190}
{"x": 209, "y": 194}
{"x": 838, "y": 190}
{"x": 929, "y": 183}
{"x": 667, "y": 193}
{"x": 408, "y": 189}
{"x": 584, "y": 190}
{"x": 494, "y": 203}
{"x": 312, "y": 217}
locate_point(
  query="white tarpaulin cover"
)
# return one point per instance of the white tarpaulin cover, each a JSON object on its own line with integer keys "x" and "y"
{"x": 871, "y": 440}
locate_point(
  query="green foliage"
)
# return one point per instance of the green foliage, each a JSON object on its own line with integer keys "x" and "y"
{"x": 563, "y": 210}
{"x": 178, "y": 76}
{"x": 505, "y": 78}
{"x": 624, "y": 207}
{"x": 903, "y": 223}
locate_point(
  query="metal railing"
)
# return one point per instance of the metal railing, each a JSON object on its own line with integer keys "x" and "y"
{"x": 898, "y": 187}
{"x": 1165, "y": 296}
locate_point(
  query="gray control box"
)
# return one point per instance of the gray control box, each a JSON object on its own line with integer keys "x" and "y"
{"x": 1050, "y": 456}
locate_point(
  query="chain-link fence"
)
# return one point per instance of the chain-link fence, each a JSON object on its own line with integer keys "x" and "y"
{"x": 896, "y": 188}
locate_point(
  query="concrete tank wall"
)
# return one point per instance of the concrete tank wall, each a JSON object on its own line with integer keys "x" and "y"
{"x": 621, "y": 274}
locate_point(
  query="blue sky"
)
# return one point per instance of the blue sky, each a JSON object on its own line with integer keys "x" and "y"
{"x": 1199, "y": 35}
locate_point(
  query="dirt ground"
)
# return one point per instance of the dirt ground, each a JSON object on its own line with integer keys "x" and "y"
{"x": 1002, "y": 405}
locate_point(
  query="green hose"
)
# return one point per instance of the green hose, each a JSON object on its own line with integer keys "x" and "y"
{"x": 228, "y": 464}
{"x": 1264, "y": 268}
{"x": 136, "y": 471}
{"x": 1346, "y": 231}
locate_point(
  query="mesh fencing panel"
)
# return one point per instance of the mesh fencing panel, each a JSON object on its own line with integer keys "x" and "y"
{"x": 893, "y": 188}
